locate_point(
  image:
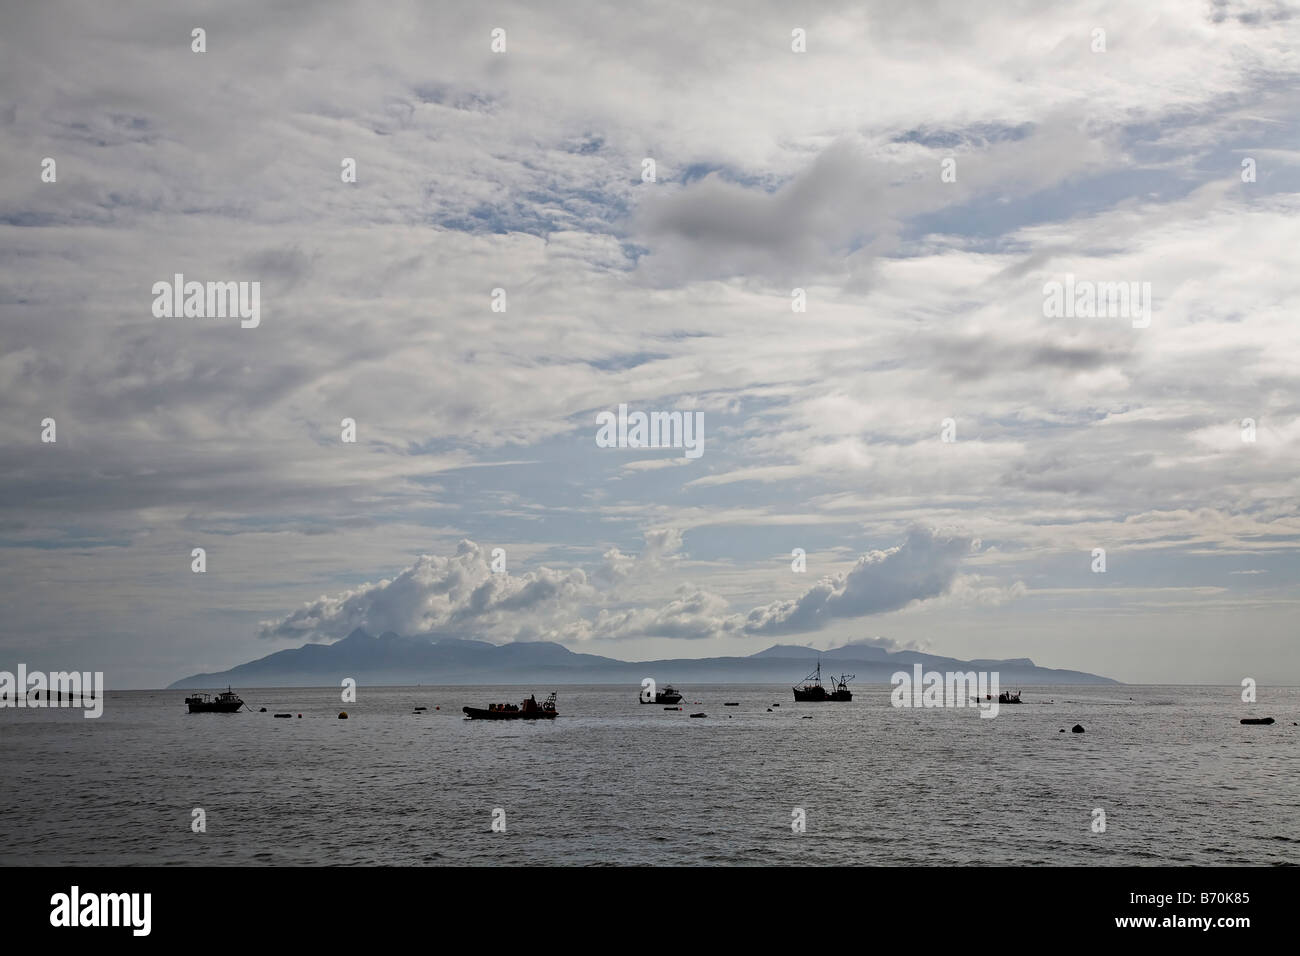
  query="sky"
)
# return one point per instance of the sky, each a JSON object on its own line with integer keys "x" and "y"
{"x": 839, "y": 267}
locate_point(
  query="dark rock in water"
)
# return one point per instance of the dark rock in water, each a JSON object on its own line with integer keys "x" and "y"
{"x": 1077, "y": 729}
{"x": 343, "y": 715}
{"x": 262, "y": 711}
{"x": 769, "y": 710}
{"x": 1257, "y": 720}
{"x": 699, "y": 715}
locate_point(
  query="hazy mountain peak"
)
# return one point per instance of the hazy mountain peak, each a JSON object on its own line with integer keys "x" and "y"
{"x": 431, "y": 659}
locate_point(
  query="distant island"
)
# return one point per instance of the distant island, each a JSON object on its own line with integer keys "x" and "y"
{"x": 393, "y": 659}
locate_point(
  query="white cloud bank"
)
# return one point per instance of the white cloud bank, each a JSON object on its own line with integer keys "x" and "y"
{"x": 462, "y": 596}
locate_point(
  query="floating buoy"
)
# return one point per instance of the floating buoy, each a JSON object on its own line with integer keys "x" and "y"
{"x": 437, "y": 708}
{"x": 343, "y": 715}
{"x": 699, "y": 715}
{"x": 300, "y": 716}
{"x": 1077, "y": 729}
{"x": 284, "y": 715}
{"x": 1257, "y": 720}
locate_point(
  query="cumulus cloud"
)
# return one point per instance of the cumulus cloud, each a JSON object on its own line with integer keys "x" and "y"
{"x": 461, "y": 595}
{"x": 923, "y": 566}
{"x": 854, "y": 195}
{"x": 436, "y": 594}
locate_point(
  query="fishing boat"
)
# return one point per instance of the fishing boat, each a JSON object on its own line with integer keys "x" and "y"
{"x": 813, "y": 690}
{"x": 227, "y": 702}
{"x": 669, "y": 695}
{"x": 525, "y": 710}
{"x": 1006, "y": 697}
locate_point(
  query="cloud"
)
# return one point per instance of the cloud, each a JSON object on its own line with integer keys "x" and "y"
{"x": 776, "y": 170}
{"x": 923, "y": 566}
{"x": 461, "y": 595}
{"x": 436, "y": 594}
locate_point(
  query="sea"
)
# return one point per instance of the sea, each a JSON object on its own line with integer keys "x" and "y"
{"x": 1160, "y": 775}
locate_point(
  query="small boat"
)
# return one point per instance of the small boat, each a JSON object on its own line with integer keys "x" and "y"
{"x": 1257, "y": 720}
{"x": 525, "y": 710}
{"x": 669, "y": 695}
{"x": 812, "y": 689}
{"x": 227, "y": 702}
{"x": 1006, "y": 697}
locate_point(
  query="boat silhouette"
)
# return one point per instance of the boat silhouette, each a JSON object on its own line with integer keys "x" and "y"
{"x": 525, "y": 710}
{"x": 813, "y": 690}
{"x": 227, "y": 702}
{"x": 669, "y": 695}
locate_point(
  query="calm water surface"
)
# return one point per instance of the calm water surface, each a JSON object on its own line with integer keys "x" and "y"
{"x": 615, "y": 782}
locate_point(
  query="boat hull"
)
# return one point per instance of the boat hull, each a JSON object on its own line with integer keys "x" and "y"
{"x": 216, "y": 708}
{"x": 480, "y": 713}
{"x": 663, "y": 699}
{"x": 820, "y": 695}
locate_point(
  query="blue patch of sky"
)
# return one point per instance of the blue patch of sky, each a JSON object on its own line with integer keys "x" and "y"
{"x": 441, "y": 94}
{"x": 979, "y": 134}
{"x": 540, "y": 213}
{"x": 619, "y": 363}
{"x": 585, "y": 146}
{"x": 991, "y": 216}
{"x": 697, "y": 171}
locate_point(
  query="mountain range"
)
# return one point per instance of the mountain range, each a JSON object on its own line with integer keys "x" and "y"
{"x": 431, "y": 659}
